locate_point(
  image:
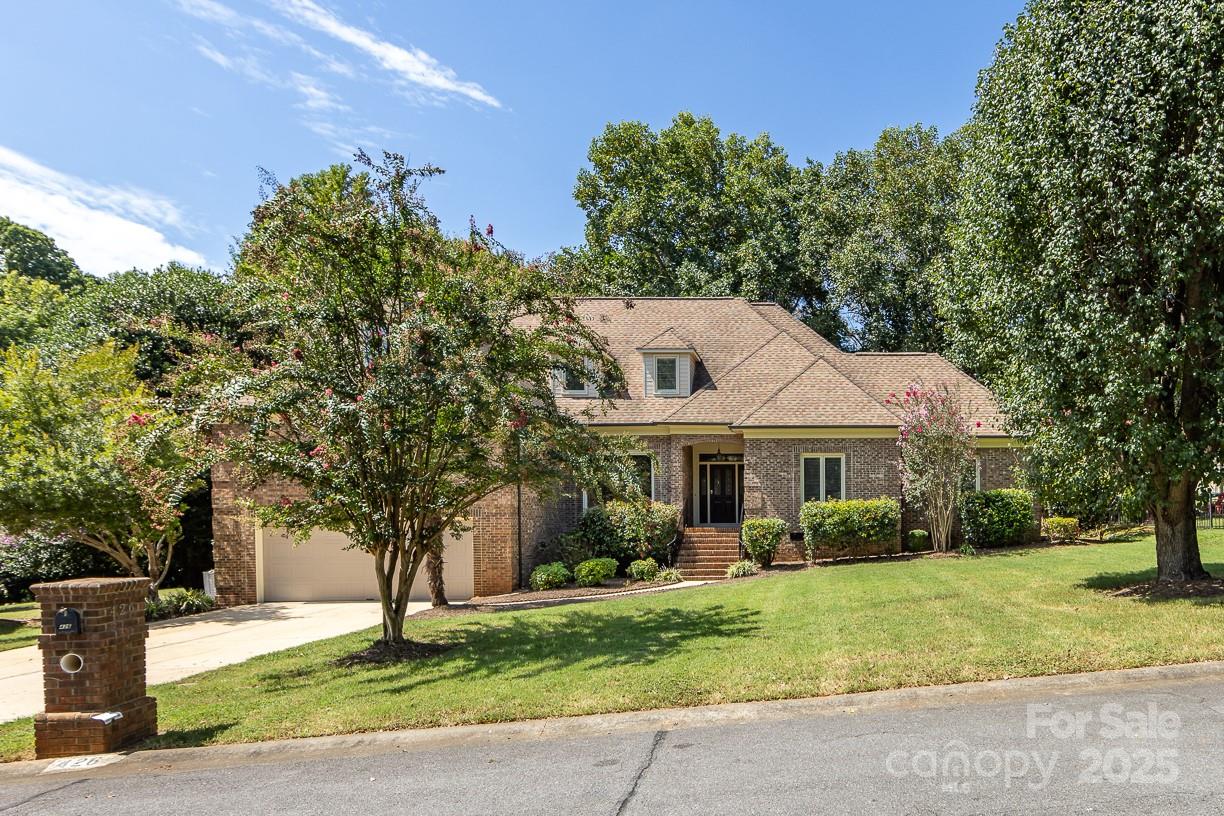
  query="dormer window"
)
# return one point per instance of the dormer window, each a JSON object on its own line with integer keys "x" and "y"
{"x": 667, "y": 376}
{"x": 573, "y": 384}
{"x": 568, "y": 383}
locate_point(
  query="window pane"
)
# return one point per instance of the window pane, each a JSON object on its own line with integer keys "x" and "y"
{"x": 811, "y": 478}
{"x": 573, "y": 382}
{"x": 642, "y": 465}
{"x": 665, "y": 374}
{"x": 833, "y": 477}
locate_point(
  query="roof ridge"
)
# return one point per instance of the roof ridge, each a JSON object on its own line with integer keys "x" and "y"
{"x": 723, "y": 376}
{"x": 778, "y": 390}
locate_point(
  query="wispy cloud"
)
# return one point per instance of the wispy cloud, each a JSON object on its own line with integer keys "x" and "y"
{"x": 412, "y": 66}
{"x": 106, "y": 228}
{"x": 315, "y": 96}
{"x": 221, "y": 14}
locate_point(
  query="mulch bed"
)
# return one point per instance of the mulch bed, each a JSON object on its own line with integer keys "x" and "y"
{"x": 382, "y": 653}
{"x": 1166, "y": 591}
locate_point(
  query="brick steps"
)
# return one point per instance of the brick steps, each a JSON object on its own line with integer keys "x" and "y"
{"x": 706, "y": 552}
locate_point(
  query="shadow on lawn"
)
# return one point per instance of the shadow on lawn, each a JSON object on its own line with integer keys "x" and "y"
{"x": 527, "y": 645}
{"x": 1141, "y": 585}
{"x": 186, "y": 737}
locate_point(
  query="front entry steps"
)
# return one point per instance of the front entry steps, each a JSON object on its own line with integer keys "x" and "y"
{"x": 706, "y": 552}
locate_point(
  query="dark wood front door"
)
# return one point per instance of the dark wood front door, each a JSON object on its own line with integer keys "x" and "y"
{"x": 724, "y": 490}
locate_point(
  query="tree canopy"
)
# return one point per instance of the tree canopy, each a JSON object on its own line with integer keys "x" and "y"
{"x": 87, "y": 454}
{"x": 34, "y": 254}
{"x": 875, "y": 223}
{"x": 1089, "y": 270}
{"x": 687, "y": 211}
{"x": 401, "y": 375}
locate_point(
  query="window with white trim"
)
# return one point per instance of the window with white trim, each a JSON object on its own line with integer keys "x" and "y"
{"x": 822, "y": 476}
{"x": 667, "y": 375}
{"x": 573, "y": 384}
{"x": 643, "y": 463}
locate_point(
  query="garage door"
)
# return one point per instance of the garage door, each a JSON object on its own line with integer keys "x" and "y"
{"x": 322, "y": 569}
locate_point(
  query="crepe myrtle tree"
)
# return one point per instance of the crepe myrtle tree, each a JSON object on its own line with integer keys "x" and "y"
{"x": 937, "y": 443}
{"x": 401, "y": 375}
{"x": 87, "y": 454}
{"x": 1089, "y": 257}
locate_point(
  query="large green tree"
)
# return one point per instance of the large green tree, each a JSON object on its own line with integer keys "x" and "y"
{"x": 34, "y": 254}
{"x": 687, "y": 211}
{"x": 401, "y": 375}
{"x": 1089, "y": 282}
{"x": 87, "y": 454}
{"x": 875, "y": 223}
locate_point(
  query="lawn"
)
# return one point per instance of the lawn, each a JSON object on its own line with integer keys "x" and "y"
{"x": 824, "y": 630}
{"x": 14, "y": 633}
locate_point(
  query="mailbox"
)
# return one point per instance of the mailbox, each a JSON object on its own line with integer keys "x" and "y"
{"x": 68, "y": 621}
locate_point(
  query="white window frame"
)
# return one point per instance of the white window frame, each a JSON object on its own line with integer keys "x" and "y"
{"x": 803, "y": 457}
{"x": 977, "y": 474}
{"x": 651, "y": 459}
{"x": 666, "y": 392}
{"x": 585, "y": 391}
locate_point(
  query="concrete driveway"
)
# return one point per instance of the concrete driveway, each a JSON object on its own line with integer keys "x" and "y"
{"x": 185, "y": 646}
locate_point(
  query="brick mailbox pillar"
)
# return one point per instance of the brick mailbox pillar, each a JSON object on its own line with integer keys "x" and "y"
{"x": 93, "y": 650}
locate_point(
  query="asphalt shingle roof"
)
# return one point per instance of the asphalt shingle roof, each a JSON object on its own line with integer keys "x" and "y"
{"x": 759, "y": 367}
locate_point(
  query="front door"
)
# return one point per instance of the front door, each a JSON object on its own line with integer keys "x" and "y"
{"x": 724, "y": 490}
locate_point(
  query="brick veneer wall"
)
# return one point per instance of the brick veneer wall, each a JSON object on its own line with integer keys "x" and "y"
{"x": 111, "y": 645}
{"x": 234, "y": 531}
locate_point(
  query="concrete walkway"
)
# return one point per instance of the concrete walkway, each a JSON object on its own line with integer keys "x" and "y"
{"x": 185, "y": 646}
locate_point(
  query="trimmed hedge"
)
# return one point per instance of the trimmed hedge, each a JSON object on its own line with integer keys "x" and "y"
{"x": 917, "y": 541}
{"x": 997, "y": 518}
{"x": 1061, "y": 528}
{"x": 762, "y": 537}
{"x": 646, "y": 569}
{"x": 594, "y": 572}
{"x": 549, "y": 576}
{"x": 859, "y": 525}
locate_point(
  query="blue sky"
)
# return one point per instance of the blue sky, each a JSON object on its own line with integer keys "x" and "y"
{"x": 132, "y": 132}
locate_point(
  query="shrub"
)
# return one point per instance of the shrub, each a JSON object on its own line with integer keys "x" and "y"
{"x": 646, "y": 569}
{"x": 570, "y": 549}
{"x": 626, "y": 531}
{"x": 175, "y": 603}
{"x": 670, "y": 575}
{"x": 918, "y": 541}
{"x": 32, "y": 559}
{"x": 191, "y": 602}
{"x": 640, "y": 529}
{"x": 855, "y": 524}
{"x": 742, "y": 569}
{"x": 1061, "y": 528}
{"x": 549, "y": 576}
{"x": 997, "y": 518}
{"x": 595, "y": 571}
{"x": 762, "y": 537}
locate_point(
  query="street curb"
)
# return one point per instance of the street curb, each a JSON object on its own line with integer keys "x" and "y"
{"x": 309, "y": 748}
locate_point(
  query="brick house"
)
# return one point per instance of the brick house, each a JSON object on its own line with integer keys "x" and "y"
{"x": 738, "y": 410}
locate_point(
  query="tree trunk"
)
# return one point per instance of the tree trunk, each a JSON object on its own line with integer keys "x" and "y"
{"x": 395, "y": 572}
{"x": 1177, "y": 550}
{"x": 433, "y": 566}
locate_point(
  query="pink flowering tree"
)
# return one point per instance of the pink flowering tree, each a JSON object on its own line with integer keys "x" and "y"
{"x": 396, "y": 375}
{"x": 87, "y": 453}
{"x": 937, "y": 442}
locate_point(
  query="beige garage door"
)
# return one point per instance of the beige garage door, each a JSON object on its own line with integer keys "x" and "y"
{"x": 323, "y": 570}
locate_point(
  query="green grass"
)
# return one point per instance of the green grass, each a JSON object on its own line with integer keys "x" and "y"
{"x": 827, "y": 630}
{"x": 13, "y": 633}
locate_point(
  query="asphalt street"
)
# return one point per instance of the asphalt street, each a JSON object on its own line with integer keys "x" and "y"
{"x": 1120, "y": 744}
